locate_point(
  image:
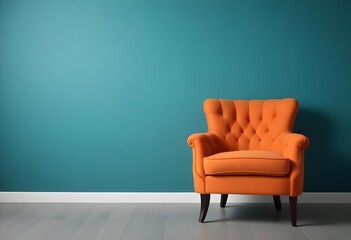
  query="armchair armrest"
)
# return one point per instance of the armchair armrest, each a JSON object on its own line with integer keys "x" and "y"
{"x": 295, "y": 140}
{"x": 203, "y": 145}
{"x": 293, "y": 146}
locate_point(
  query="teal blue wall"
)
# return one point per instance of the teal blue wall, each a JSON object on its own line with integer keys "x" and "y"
{"x": 101, "y": 95}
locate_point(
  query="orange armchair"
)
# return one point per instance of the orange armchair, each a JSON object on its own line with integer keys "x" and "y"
{"x": 249, "y": 149}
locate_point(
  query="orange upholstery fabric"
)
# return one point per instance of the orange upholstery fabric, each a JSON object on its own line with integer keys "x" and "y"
{"x": 247, "y": 162}
{"x": 247, "y": 185}
{"x": 237, "y": 125}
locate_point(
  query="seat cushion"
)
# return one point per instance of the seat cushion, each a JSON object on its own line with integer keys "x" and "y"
{"x": 248, "y": 162}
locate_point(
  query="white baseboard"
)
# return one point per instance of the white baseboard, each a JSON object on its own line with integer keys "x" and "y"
{"x": 158, "y": 197}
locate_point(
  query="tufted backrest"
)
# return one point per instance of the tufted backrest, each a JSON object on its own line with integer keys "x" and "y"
{"x": 250, "y": 124}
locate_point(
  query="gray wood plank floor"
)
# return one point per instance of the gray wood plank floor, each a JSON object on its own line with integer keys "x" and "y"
{"x": 171, "y": 221}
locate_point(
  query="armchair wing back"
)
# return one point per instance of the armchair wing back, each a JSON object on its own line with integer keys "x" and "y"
{"x": 250, "y": 125}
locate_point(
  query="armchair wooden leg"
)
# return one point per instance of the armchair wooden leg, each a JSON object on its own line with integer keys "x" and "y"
{"x": 293, "y": 210}
{"x": 277, "y": 202}
{"x": 205, "y": 202}
{"x": 224, "y": 198}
